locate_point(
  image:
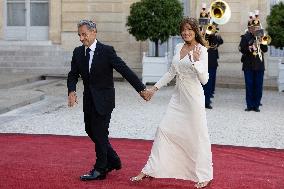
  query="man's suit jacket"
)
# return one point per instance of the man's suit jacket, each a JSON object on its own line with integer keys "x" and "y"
{"x": 98, "y": 83}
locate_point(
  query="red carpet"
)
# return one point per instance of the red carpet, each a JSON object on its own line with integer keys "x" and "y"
{"x": 56, "y": 162}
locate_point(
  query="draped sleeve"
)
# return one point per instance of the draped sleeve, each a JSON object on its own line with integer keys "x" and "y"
{"x": 201, "y": 67}
{"x": 171, "y": 73}
{"x": 167, "y": 77}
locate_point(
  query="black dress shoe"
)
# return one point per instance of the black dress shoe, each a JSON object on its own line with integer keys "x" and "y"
{"x": 248, "y": 109}
{"x": 256, "y": 109}
{"x": 93, "y": 175}
{"x": 112, "y": 167}
{"x": 208, "y": 106}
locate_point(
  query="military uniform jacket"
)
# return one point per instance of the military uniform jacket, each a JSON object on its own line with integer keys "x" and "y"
{"x": 213, "y": 54}
{"x": 250, "y": 61}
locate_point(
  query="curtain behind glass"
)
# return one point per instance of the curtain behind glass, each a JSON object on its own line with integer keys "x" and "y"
{"x": 16, "y": 13}
{"x": 39, "y": 13}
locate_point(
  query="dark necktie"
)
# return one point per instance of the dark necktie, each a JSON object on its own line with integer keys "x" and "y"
{"x": 88, "y": 57}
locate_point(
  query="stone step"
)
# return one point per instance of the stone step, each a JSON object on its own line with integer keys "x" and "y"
{"x": 30, "y": 48}
{"x": 11, "y": 99}
{"x": 39, "y": 57}
{"x": 32, "y": 53}
{"x": 35, "y": 70}
{"x": 30, "y": 58}
{"x": 46, "y": 63}
{"x": 14, "y": 80}
{"x": 25, "y": 43}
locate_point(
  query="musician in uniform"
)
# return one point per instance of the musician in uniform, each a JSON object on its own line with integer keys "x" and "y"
{"x": 214, "y": 40}
{"x": 203, "y": 12}
{"x": 252, "y": 51}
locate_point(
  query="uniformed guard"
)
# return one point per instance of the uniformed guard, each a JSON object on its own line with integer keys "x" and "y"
{"x": 214, "y": 40}
{"x": 252, "y": 47}
{"x": 203, "y": 12}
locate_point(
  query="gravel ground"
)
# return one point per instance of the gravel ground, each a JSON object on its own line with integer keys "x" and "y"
{"x": 228, "y": 123}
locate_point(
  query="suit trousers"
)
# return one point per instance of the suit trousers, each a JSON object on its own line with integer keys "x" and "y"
{"x": 96, "y": 126}
{"x": 254, "y": 87}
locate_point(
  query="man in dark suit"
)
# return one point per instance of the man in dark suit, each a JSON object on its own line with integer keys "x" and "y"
{"x": 214, "y": 40}
{"x": 252, "y": 51}
{"x": 94, "y": 63}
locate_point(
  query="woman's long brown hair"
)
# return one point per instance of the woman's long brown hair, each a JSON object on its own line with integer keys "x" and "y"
{"x": 195, "y": 27}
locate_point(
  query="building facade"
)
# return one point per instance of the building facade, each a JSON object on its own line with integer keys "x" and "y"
{"x": 55, "y": 21}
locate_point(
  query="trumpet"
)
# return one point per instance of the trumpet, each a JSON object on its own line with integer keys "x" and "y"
{"x": 210, "y": 29}
{"x": 265, "y": 40}
{"x": 220, "y": 12}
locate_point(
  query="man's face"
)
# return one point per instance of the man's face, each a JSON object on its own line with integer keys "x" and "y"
{"x": 87, "y": 37}
{"x": 250, "y": 29}
{"x": 254, "y": 29}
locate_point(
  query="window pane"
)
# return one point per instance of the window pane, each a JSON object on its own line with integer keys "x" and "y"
{"x": 16, "y": 14}
{"x": 39, "y": 14}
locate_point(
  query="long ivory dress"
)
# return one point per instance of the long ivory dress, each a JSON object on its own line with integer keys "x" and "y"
{"x": 181, "y": 147}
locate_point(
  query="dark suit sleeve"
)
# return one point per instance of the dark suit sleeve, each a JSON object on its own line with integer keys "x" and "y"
{"x": 73, "y": 75}
{"x": 119, "y": 65}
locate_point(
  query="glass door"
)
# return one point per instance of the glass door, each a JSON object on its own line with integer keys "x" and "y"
{"x": 27, "y": 20}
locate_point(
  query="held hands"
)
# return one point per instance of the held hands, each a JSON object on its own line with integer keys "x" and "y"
{"x": 72, "y": 99}
{"x": 147, "y": 94}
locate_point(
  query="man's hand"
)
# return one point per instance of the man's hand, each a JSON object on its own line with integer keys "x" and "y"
{"x": 72, "y": 99}
{"x": 148, "y": 93}
{"x": 144, "y": 94}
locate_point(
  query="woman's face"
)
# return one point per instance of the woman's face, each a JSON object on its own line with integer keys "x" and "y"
{"x": 187, "y": 33}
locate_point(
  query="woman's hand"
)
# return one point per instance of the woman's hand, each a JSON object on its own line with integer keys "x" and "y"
{"x": 152, "y": 91}
{"x": 196, "y": 53}
{"x": 147, "y": 94}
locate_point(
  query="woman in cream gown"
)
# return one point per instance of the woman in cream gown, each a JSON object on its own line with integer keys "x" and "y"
{"x": 181, "y": 147}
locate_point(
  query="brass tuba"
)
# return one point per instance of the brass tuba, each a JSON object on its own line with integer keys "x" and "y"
{"x": 220, "y": 12}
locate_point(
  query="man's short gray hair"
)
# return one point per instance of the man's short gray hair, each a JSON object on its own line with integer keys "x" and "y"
{"x": 90, "y": 24}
